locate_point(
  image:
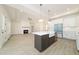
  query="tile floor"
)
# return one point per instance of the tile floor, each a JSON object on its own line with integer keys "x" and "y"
{"x": 24, "y": 45}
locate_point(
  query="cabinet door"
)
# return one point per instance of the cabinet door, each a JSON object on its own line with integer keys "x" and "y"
{"x": 69, "y": 35}
{"x": 77, "y": 21}
{"x": 0, "y": 28}
{"x": 77, "y": 42}
{"x": 2, "y": 31}
{"x": 69, "y": 21}
{"x": 7, "y": 31}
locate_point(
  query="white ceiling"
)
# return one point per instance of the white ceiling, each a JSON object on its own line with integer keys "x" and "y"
{"x": 54, "y": 9}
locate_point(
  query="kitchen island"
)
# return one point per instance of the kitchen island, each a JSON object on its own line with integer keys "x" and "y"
{"x": 43, "y": 40}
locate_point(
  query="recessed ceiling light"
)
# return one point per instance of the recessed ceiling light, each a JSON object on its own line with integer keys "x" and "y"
{"x": 49, "y": 22}
{"x": 40, "y": 20}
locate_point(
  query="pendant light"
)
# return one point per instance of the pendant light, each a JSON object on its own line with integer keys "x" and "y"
{"x": 49, "y": 21}
{"x": 40, "y": 20}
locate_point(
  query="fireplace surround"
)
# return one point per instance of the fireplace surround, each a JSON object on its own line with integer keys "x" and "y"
{"x": 25, "y": 31}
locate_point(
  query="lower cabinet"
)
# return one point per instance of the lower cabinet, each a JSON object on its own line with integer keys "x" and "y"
{"x": 77, "y": 42}
{"x": 69, "y": 35}
{"x": 41, "y": 42}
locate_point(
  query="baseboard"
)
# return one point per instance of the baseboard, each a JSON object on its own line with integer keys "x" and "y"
{"x": 68, "y": 38}
{"x": 65, "y": 38}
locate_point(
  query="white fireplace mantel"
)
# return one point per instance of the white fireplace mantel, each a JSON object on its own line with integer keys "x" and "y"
{"x": 26, "y": 28}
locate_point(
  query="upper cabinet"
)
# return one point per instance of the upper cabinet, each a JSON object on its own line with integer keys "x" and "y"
{"x": 69, "y": 21}
{"x": 77, "y": 20}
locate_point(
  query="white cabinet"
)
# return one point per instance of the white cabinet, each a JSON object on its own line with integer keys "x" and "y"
{"x": 69, "y": 21}
{"x": 0, "y": 31}
{"x": 69, "y": 35}
{"x": 77, "y": 20}
{"x": 8, "y": 28}
{"x": 4, "y": 29}
{"x": 69, "y": 27}
{"x": 77, "y": 40}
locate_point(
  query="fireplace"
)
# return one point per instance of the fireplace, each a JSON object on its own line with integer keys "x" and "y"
{"x": 25, "y": 31}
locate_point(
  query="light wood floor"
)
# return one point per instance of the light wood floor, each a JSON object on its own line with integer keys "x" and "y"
{"x": 24, "y": 45}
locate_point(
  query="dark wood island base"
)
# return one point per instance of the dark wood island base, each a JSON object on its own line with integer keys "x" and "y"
{"x": 43, "y": 42}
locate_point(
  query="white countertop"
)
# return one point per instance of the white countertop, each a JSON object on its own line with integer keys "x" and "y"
{"x": 44, "y": 33}
{"x": 40, "y": 33}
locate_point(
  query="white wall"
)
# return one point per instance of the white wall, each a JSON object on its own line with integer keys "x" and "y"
{"x": 40, "y": 26}
{"x": 20, "y": 18}
{"x": 17, "y": 26}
